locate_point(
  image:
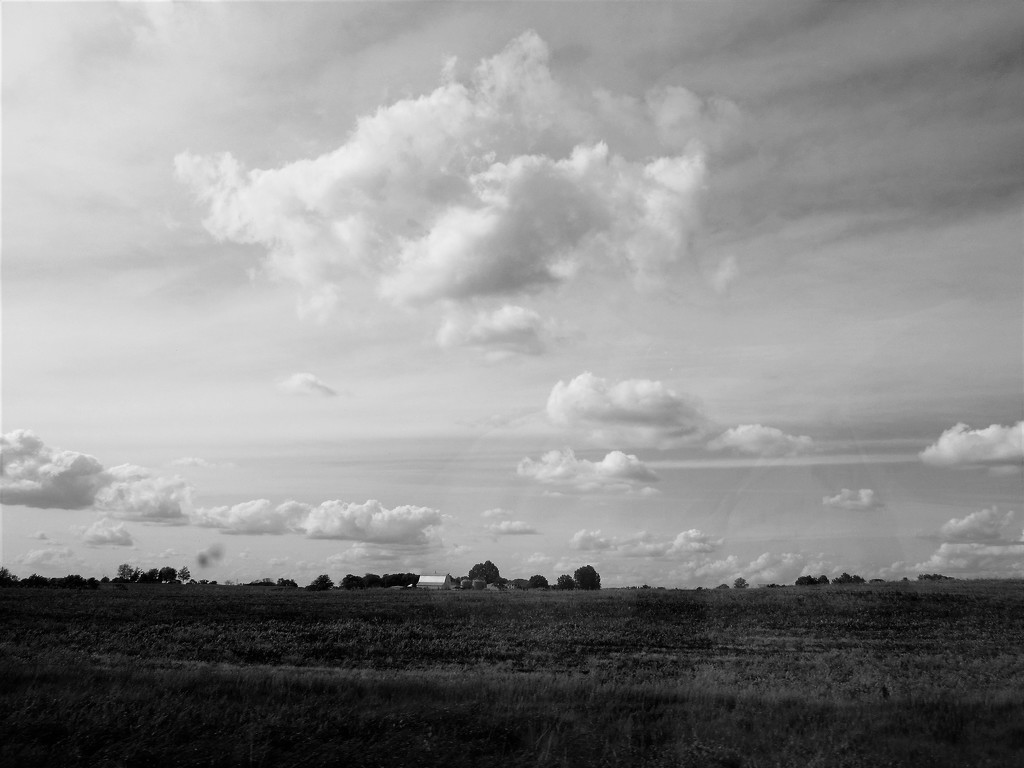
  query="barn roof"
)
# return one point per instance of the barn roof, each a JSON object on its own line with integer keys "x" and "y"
{"x": 433, "y": 579}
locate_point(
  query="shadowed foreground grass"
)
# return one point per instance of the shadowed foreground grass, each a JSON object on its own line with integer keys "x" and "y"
{"x": 909, "y": 675}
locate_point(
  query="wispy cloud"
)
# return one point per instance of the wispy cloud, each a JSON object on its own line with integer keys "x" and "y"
{"x": 306, "y": 384}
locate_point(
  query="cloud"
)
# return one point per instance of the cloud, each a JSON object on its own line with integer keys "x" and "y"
{"x": 35, "y": 475}
{"x": 985, "y": 525}
{"x": 496, "y": 512}
{"x": 511, "y": 330}
{"x": 107, "y": 532}
{"x": 615, "y": 472}
{"x": 512, "y": 528}
{"x": 861, "y": 500}
{"x": 995, "y": 447}
{"x": 47, "y": 556}
{"x": 644, "y": 544}
{"x": 196, "y": 461}
{"x": 253, "y": 517}
{"x": 635, "y": 411}
{"x": 133, "y": 494}
{"x": 306, "y": 384}
{"x": 724, "y": 274}
{"x": 371, "y": 522}
{"x": 976, "y": 559}
{"x": 497, "y": 187}
{"x": 759, "y": 440}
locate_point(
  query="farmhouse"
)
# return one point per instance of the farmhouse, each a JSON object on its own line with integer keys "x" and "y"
{"x": 435, "y": 582}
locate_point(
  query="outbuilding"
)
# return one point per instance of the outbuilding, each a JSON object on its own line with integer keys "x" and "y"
{"x": 435, "y": 582}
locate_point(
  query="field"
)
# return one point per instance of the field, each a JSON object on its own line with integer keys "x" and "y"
{"x": 902, "y": 674}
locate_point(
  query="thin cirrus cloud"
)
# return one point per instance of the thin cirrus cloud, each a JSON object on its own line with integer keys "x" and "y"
{"x": 501, "y": 186}
{"x": 758, "y": 440}
{"x": 644, "y": 544}
{"x": 854, "y": 501}
{"x": 36, "y": 475}
{"x": 634, "y": 412}
{"x": 617, "y": 471}
{"x": 996, "y": 447}
{"x": 306, "y": 384}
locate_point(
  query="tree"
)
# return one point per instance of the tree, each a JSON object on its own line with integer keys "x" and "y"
{"x": 152, "y": 576}
{"x": 184, "y": 574}
{"x": 538, "y": 582}
{"x": 351, "y": 581}
{"x": 286, "y": 583}
{"x": 7, "y": 579}
{"x": 127, "y": 572}
{"x": 722, "y": 586}
{"x": 587, "y": 578}
{"x": 846, "y": 578}
{"x": 487, "y": 571}
{"x": 740, "y": 583}
{"x": 806, "y": 581}
{"x": 823, "y": 579}
{"x": 167, "y": 574}
{"x": 321, "y": 583}
{"x": 565, "y": 582}
{"x": 372, "y": 580}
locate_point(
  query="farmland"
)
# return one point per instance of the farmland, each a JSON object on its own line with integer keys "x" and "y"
{"x": 898, "y": 674}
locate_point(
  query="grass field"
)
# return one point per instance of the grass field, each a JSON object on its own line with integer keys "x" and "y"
{"x": 902, "y": 674}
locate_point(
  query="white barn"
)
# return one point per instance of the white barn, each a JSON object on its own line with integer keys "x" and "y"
{"x": 435, "y": 582}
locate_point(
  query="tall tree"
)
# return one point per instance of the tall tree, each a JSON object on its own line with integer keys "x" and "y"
{"x": 565, "y": 581}
{"x": 587, "y": 578}
{"x": 486, "y": 570}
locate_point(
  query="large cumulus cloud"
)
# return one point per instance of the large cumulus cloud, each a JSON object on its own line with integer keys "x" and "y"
{"x": 502, "y": 185}
{"x": 36, "y": 475}
{"x": 996, "y": 447}
{"x": 635, "y": 412}
{"x": 617, "y": 471}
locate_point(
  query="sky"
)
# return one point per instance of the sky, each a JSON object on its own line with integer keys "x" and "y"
{"x": 684, "y": 291}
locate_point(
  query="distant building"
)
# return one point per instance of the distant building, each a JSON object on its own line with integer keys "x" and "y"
{"x": 435, "y": 582}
